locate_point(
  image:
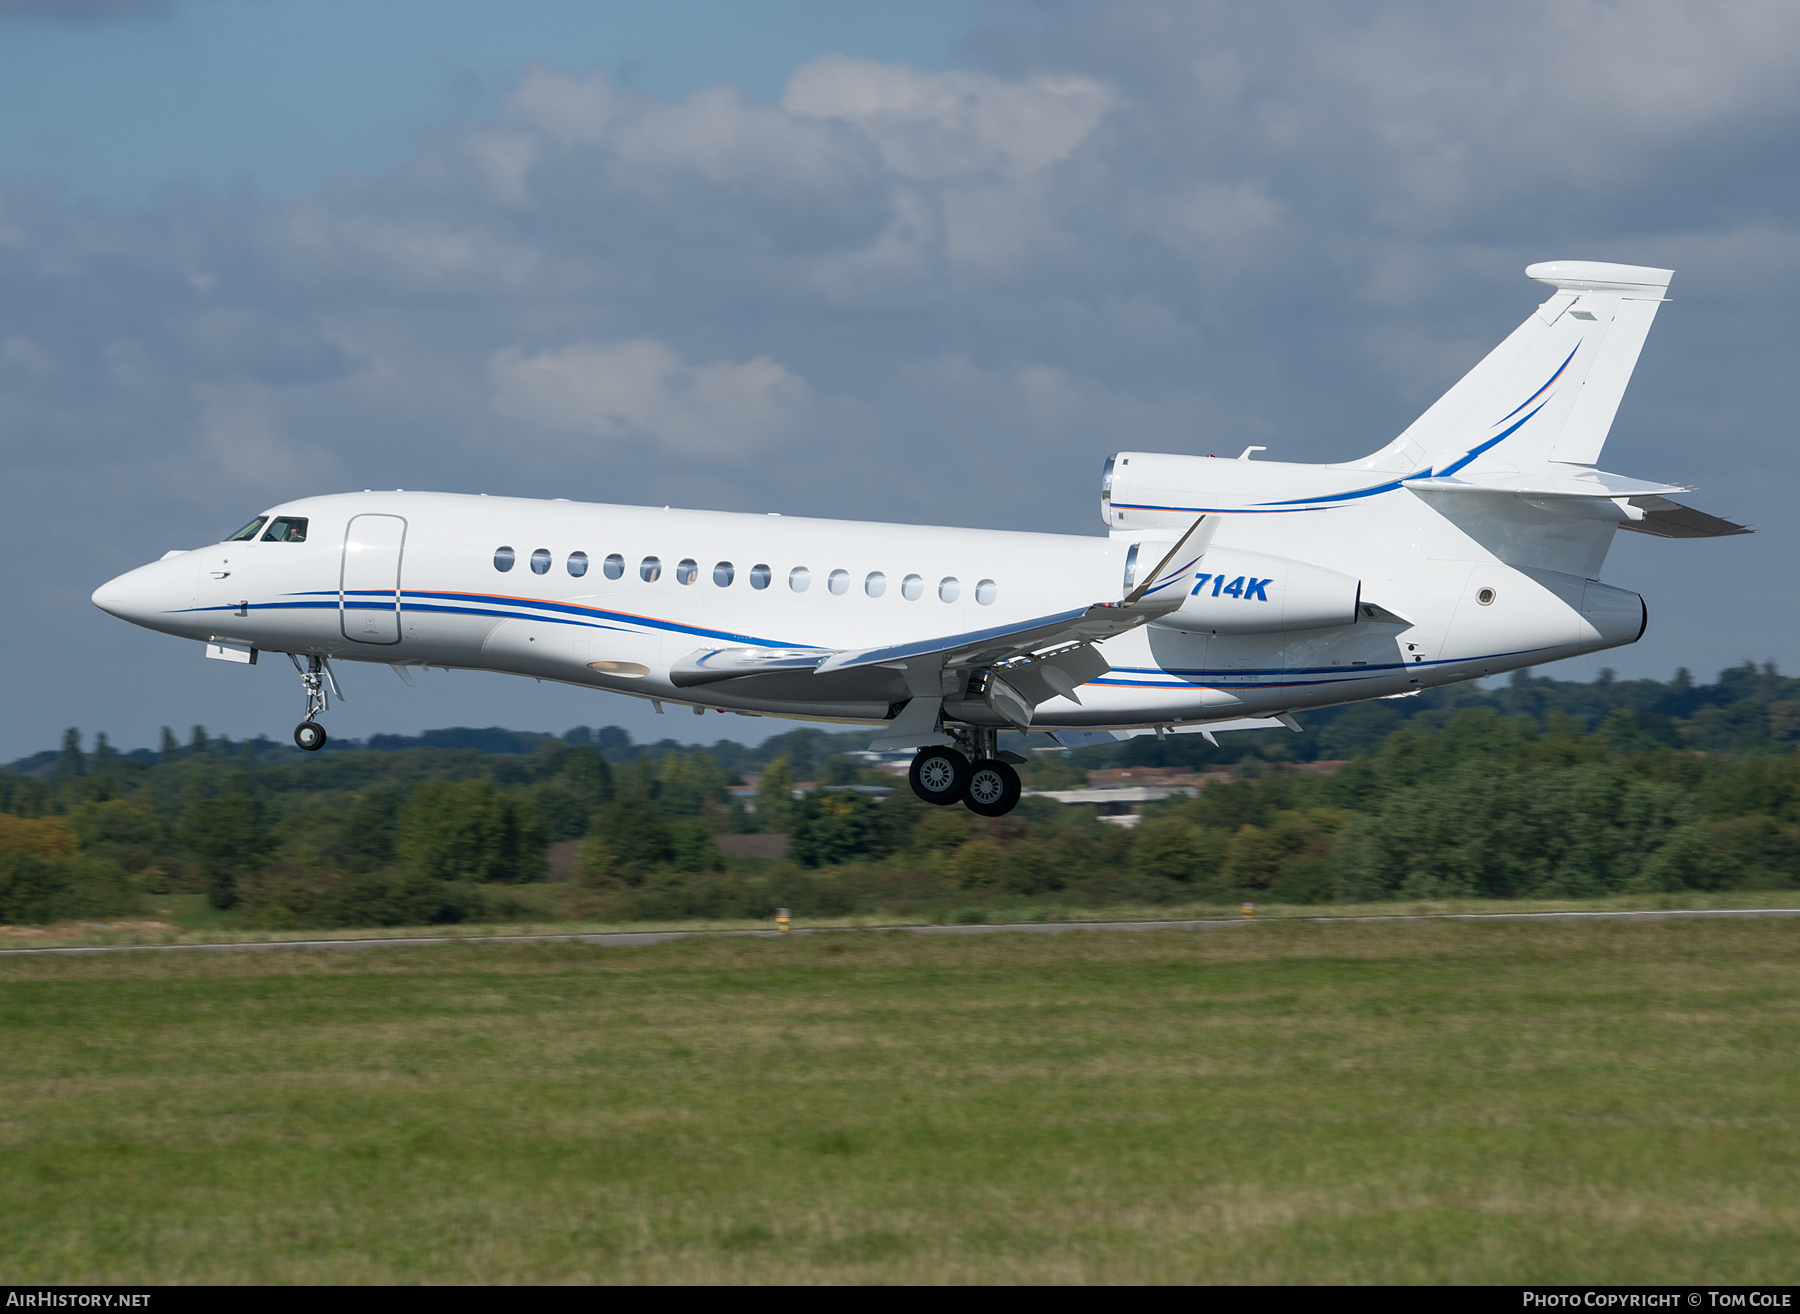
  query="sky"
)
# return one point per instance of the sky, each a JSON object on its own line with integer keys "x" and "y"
{"x": 928, "y": 263}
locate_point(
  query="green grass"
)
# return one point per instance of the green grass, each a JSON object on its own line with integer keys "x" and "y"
{"x": 1352, "y": 1102}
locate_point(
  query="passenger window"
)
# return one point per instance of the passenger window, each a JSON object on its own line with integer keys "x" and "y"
{"x": 248, "y": 532}
{"x": 876, "y": 584}
{"x": 540, "y": 562}
{"x": 912, "y": 588}
{"x": 798, "y": 578}
{"x": 687, "y": 572}
{"x": 723, "y": 574}
{"x": 503, "y": 559}
{"x": 650, "y": 569}
{"x": 760, "y": 576}
{"x": 287, "y": 529}
{"x": 613, "y": 566}
{"x": 948, "y": 589}
{"x": 578, "y": 564}
{"x": 839, "y": 582}
{"x": 986, "y": 592}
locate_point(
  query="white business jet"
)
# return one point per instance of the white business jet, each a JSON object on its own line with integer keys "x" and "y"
{"x": 1227, "y": 593}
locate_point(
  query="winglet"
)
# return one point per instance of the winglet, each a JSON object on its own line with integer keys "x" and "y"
{"x": 1137, "y": 594}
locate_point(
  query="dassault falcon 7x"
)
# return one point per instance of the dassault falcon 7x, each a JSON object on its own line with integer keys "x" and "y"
{"x": 1226, "y": 594}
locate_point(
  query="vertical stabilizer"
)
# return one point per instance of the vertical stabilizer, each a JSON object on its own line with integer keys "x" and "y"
{"x": 1547, "y": 395}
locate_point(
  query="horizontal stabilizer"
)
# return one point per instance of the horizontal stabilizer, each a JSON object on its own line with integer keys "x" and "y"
{"x": 1666, "y": 519}
{"x": 1547, "y": 483}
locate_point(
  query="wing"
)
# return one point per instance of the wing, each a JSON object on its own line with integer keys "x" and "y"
{"x": 928, "y": 667}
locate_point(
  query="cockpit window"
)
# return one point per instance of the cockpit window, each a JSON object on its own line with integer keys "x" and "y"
{"x": 287, "y": 529}
{"x": 248, "y": 532}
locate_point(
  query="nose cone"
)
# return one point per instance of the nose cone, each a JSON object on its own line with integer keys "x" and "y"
{"x": 155, "y": 596}
{"x": 112, "y": 597}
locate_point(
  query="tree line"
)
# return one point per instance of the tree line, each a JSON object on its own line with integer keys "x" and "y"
{"x": 1541, "y": 788}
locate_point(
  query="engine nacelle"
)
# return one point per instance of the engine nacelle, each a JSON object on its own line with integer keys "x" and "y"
{"x": 1233, "y": 592}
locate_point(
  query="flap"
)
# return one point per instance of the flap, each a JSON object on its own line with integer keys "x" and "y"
{"x": 1086, "y": 738}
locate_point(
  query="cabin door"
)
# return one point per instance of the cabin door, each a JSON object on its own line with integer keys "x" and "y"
{"x": 369, "y": 586}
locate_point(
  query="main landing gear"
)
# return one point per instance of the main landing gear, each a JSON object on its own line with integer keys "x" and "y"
{"x": 316, "y": 678}
{"x": 988, "y": 787}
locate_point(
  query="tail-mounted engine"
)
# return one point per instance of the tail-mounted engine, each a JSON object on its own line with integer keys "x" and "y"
{"x": 1235, "y": 592}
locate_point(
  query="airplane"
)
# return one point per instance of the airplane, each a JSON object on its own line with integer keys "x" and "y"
{"x": 1226, "y": 593}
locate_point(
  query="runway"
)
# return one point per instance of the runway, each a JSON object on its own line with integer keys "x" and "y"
{"x": 633, "y": 939}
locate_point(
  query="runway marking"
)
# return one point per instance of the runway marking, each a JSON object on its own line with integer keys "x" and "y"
{"x": 632, "y": 939}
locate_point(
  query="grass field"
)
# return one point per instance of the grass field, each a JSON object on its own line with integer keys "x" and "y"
{"x": 1353, "y": 1102}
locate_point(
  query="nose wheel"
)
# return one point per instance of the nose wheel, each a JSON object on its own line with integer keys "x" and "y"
{"x": 319, "y": 683}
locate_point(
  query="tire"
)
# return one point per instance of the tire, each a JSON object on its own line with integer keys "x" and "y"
{"x": 993, "y": 789}
{"x": 939, "y": 775}
{"x": 310, "y": 735}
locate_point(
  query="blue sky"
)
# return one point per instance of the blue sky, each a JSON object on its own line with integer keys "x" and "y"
{"x": 252, "y": 249}
{"x": 119, "y": 100}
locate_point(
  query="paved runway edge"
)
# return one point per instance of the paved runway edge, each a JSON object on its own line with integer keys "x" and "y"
{"x": 632, "y": 939}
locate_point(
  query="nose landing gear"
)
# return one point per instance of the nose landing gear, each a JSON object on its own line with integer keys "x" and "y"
{"x": 320, "y": 684}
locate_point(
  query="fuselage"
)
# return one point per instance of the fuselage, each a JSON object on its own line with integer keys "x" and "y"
{"x": 611, "y": 597}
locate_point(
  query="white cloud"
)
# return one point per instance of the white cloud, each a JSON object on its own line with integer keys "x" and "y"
{"x": 632, "y": 391}
{"x": 568, "y": 107}
{"x": 940, "y": 125}
{"x": 19, "y": 352}
{"x": 245, "y": 447}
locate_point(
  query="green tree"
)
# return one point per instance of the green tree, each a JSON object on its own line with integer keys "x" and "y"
{"x": 775, "y": 796}
{"x": 976, "y": 865}
{"x": 469, "y": 830}
{"x": 35, "y": 888}
{"x": 1031, "y": 867}
{"x": 586, "y": 775}
{"x": 1172, "y": 848}
{"x": 226, "y": 837}
{"x": 831, "y": 826}
{"x": 688, "y": 785}
{"x": 115, "y": 822}
{"x": 630, "y": 838}
{"x": 70, "y": 764}
{"x": 692, "y": 848}
{"x": 367, "y": 835}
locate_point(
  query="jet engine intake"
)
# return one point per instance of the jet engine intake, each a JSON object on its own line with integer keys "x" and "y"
{"x": 1232, "y": 592}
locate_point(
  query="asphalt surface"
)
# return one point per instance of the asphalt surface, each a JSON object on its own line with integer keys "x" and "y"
{"x": 631, "y": 939}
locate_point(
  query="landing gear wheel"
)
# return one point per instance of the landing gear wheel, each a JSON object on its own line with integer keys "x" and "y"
{"x": 993, "y": 789}
{"x": 939, "y": 775}
{"x": 310, "y": 735}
